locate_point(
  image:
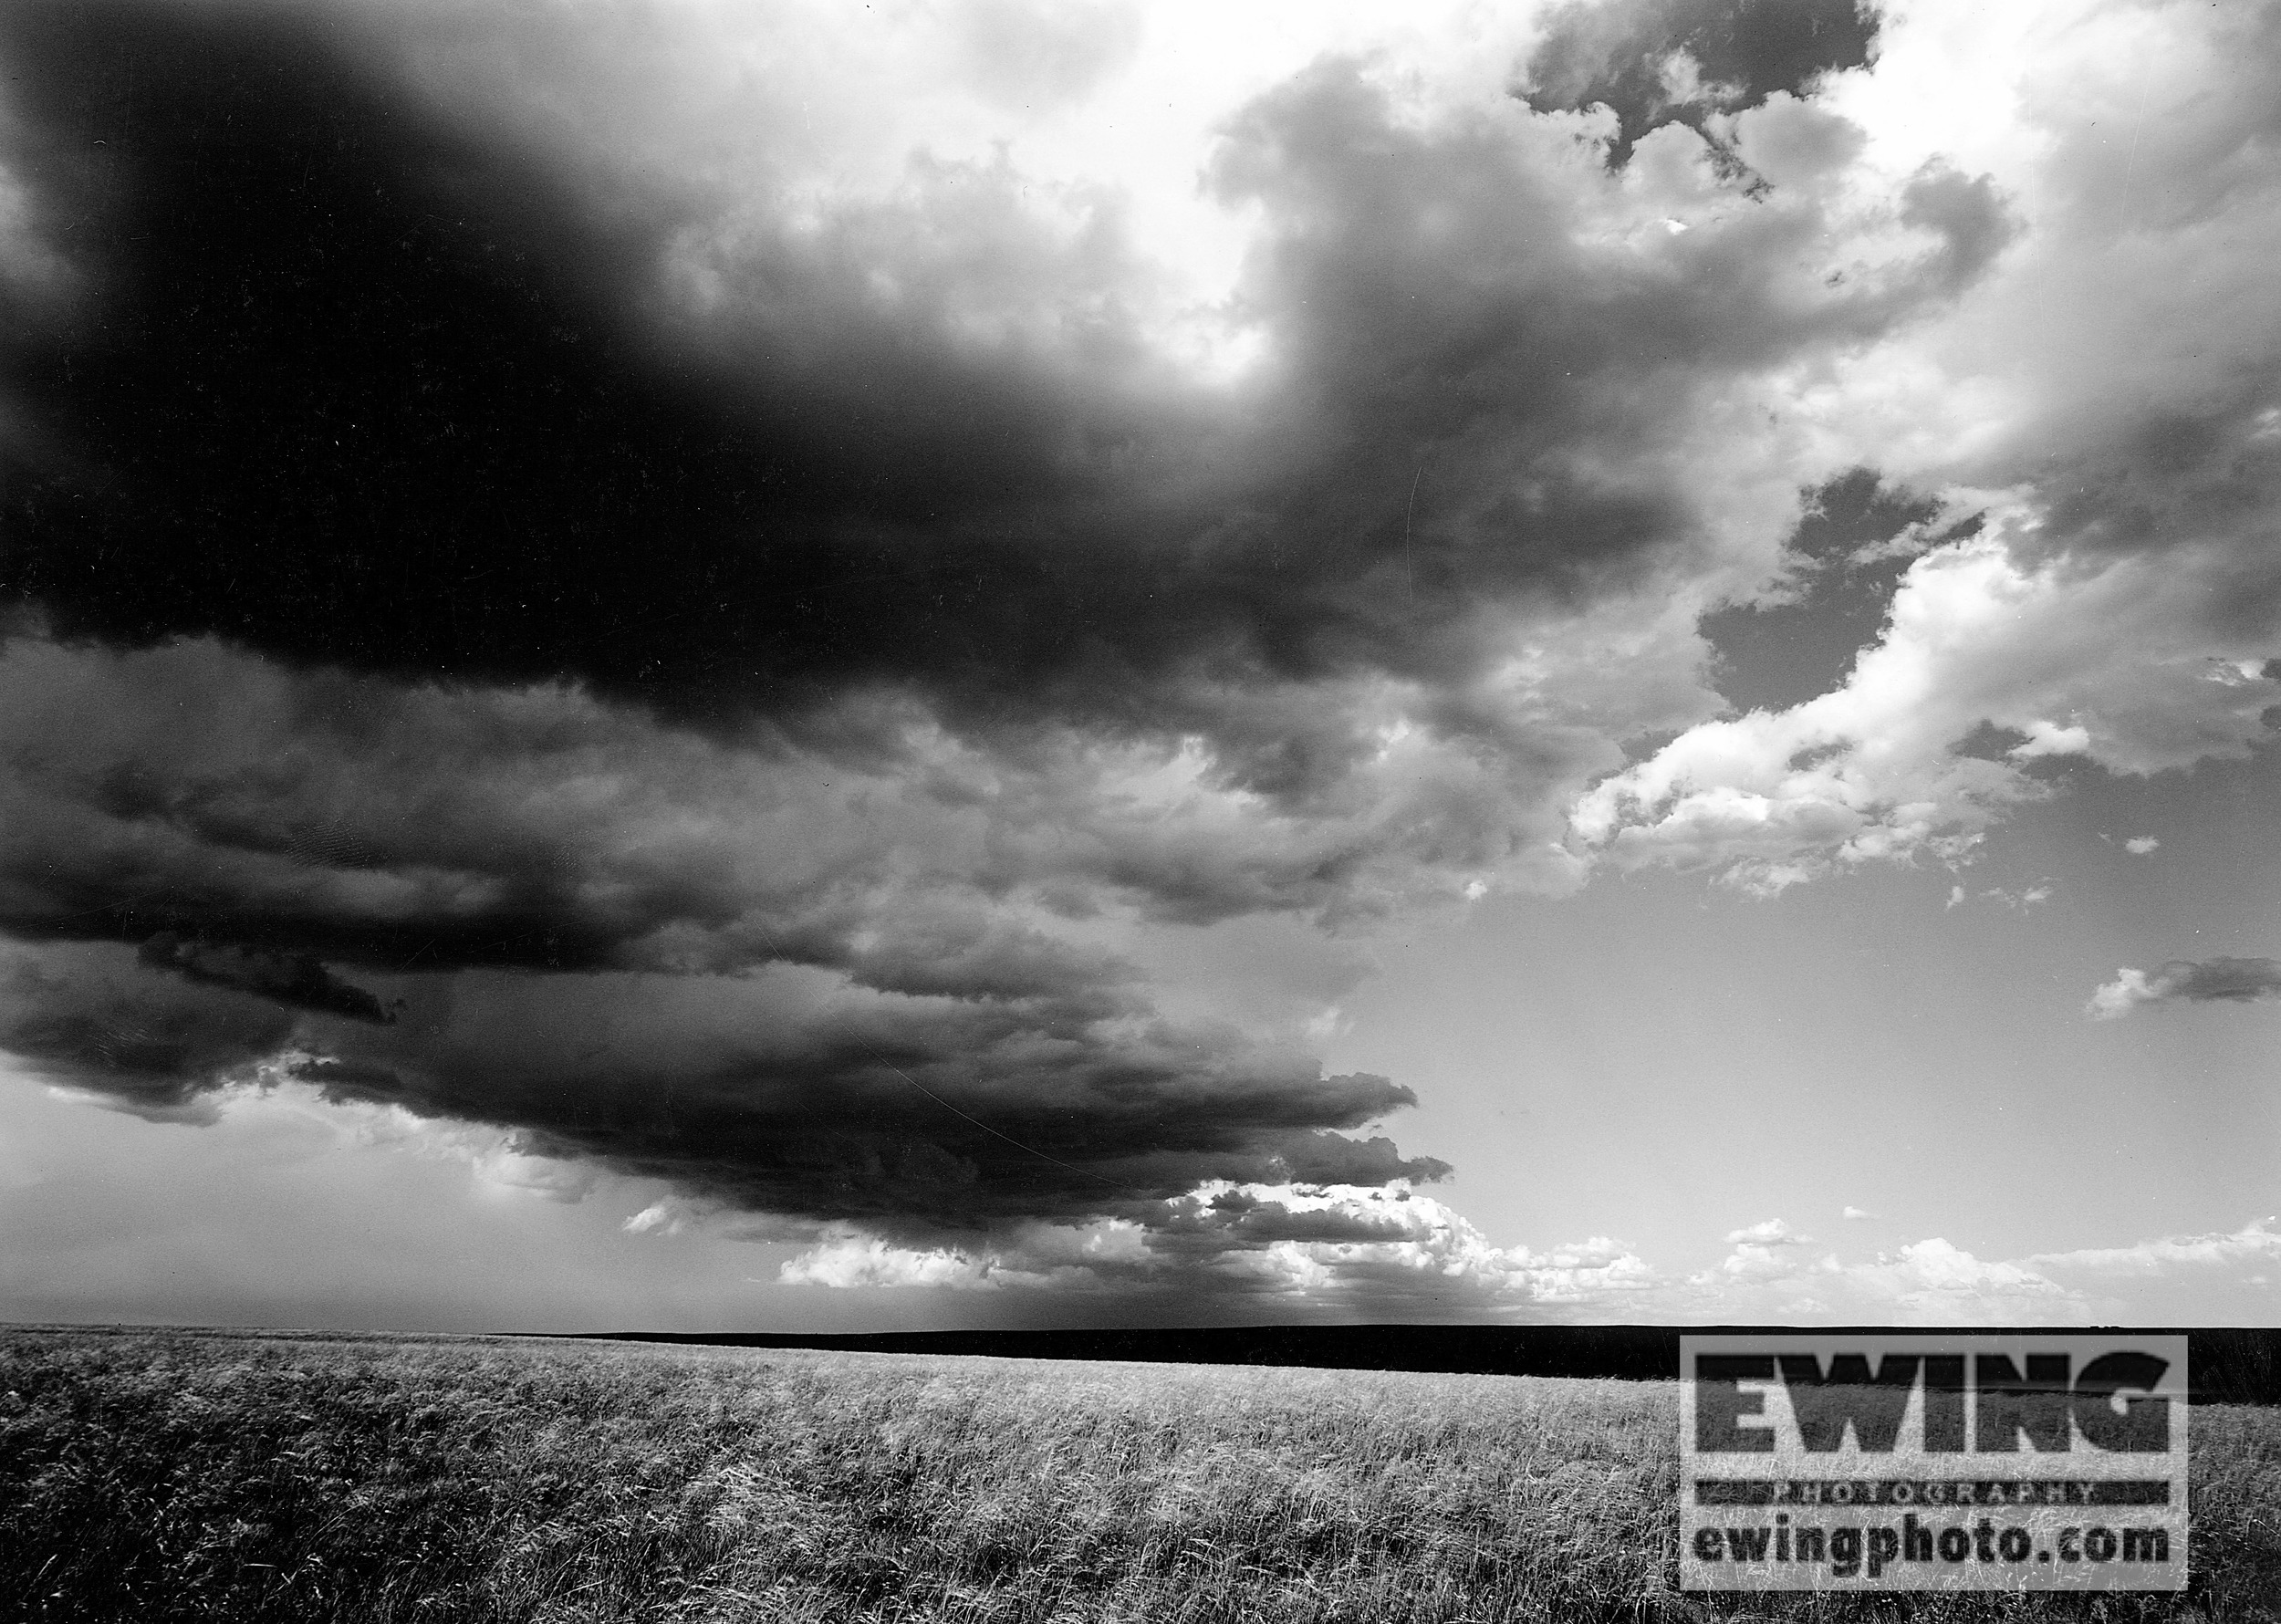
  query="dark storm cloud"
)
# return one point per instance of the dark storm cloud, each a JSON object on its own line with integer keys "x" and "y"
{"x": 1620, "y": 53}
{"x": 731, "y": 666}
{"x": 189, "y": 791}
{"x": 821, "y": 998}
{"x": 351, "y": 384}
{"x": 964, "y": 1116}
{"x": 91, "y": 1018}
{"x": 295, "y": 980}
{"x": 782, "y": 1094}
{"x": 352, "y": 380}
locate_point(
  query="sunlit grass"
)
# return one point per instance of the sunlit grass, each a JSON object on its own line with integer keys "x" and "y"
{"x": 235, "y": 1477}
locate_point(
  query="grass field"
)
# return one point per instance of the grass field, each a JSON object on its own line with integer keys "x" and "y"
{"x": 241, "y": 1477}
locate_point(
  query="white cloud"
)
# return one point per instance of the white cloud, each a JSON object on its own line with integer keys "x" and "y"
{"x": 2254, "y": 1244}
{"x": 2119, "y": 996}
{"x": 1314, "y": 1247}
{"x": 1933, "y": 1283}
{"x": 2139, "y": 845}
{"x": 1392, "y": 1251}
{"x": 2099, "y": 398}
{"x": 1384, "y": 1249}
{"x": 1870, "y": 771}
{"x": 1093, "y": 1257}
{"x": 2201, "y": 1279}
{"x": 1928, "y": 1282}
{"x": 2020, "y": 901}
{"x": 2219, "y": 980}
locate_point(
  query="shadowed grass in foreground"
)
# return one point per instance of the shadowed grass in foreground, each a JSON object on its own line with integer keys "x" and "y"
{"x": 242, "y": 1477}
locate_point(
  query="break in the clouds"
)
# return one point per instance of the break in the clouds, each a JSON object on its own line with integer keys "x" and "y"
{"x": 2208, "y": 981}
{"x": 731, "y": 593}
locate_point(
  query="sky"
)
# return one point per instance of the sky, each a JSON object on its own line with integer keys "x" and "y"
{"x": 704, "y": 666}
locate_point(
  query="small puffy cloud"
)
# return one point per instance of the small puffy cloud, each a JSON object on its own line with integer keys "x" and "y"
{"x": 2219, "y": 980}
{"x": 2118, "y": 997}
{"x": 1763, "y": 1253}
{"x": 2139, "y": 845}
{"x": 1853, "y": 1215}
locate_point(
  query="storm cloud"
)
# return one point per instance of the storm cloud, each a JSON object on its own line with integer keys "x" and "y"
{"x": 620, "y": 578}
{"x": 360, "y": 370}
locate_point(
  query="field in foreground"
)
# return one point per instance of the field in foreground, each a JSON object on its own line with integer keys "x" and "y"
{"x": 175, "y": 1475}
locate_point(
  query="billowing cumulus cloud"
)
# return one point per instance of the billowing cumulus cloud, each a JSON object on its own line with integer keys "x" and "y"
{"x": 1391, "y": 1253}
{"x": 728, "y": 595}
{"x": 1984, "y": 667}
{"x": 2208, "y": 981}
{"x": 2105, "y": 590}
{"x": 1382, "y": 1252}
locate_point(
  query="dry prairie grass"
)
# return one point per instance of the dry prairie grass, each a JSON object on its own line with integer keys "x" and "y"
{"x": 214, "y": 1476}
